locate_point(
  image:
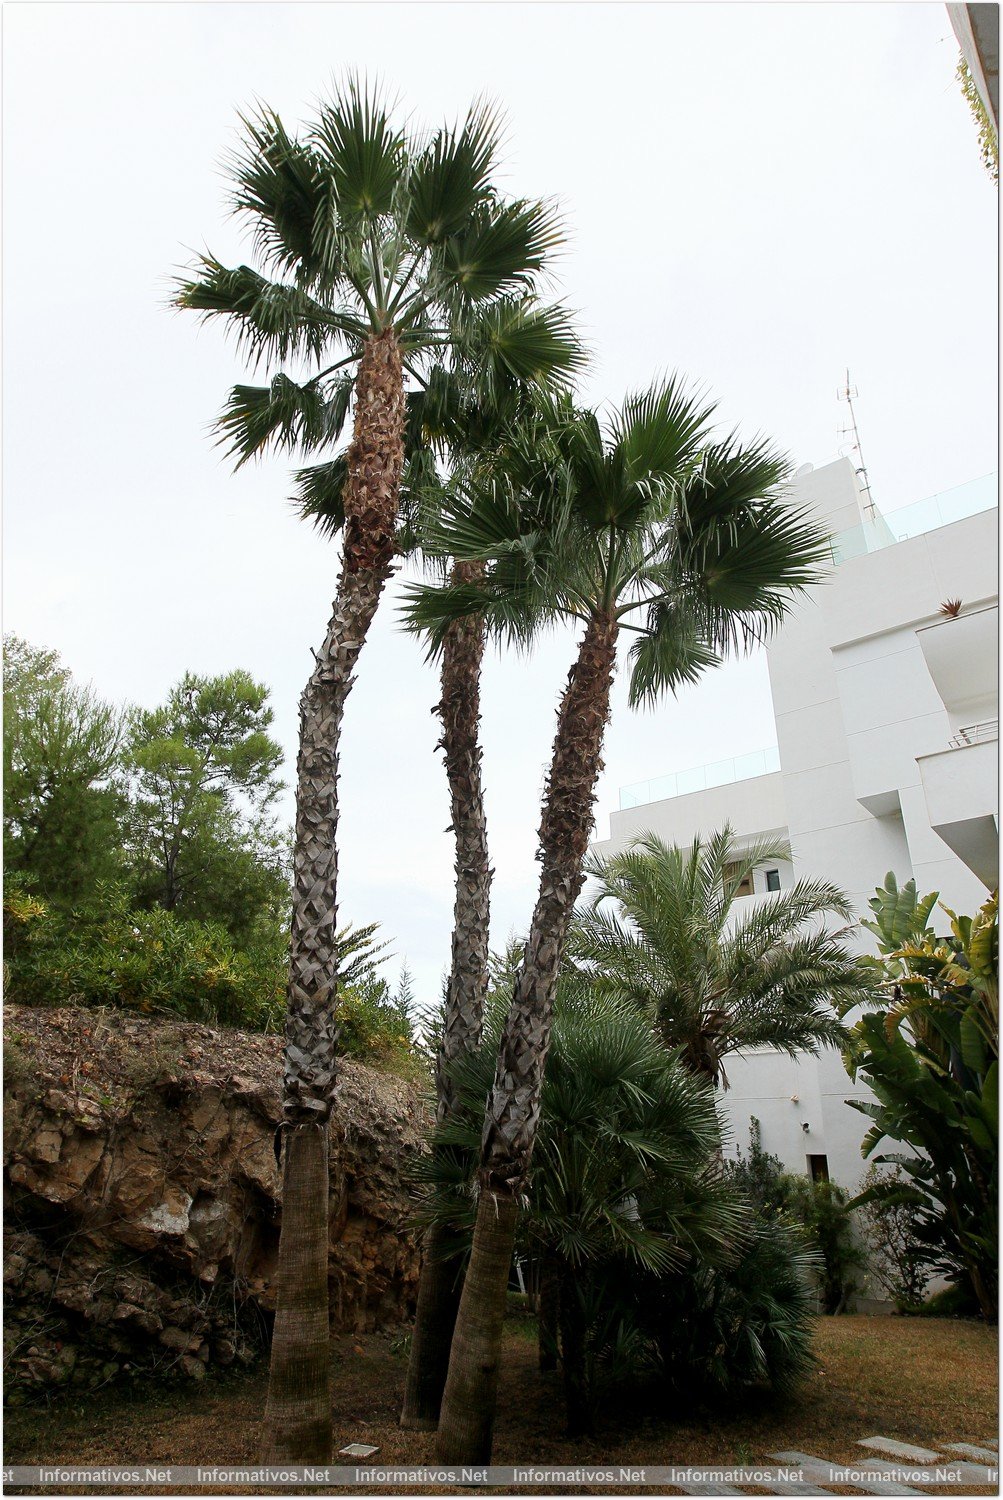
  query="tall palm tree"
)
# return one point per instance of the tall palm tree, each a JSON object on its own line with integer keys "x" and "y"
{"x": 457, "y": 423}
{"x": 662, "y": 930}
{"x": 385, "y": 256}
{"x": 646, "y": 526}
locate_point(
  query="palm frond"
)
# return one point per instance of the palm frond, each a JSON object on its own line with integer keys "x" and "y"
{"x": 362, "y": 149}
{"x": 502, "y": 248}
{"x": 451, "y": 177}
{"x": 283, "y": 415}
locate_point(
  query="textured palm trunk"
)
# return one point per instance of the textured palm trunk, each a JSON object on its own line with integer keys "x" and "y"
{"x": 298, "y": 1411}
{"x": 513, "y": 1109}
{"x": 459, "y": 709}
{"x": 466, "y": 1422}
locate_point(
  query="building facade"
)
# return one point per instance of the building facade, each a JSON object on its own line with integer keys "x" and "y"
{"x": 886, "y": 759}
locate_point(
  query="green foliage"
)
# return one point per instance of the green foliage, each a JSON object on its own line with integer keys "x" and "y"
{"x": 898, "y": 914}
{"x": 362, "y": 224}
{"x": 62, "y": 803}
{"x": 203, "y": 776}
{"x": 377, "y": 1024}
{"x": 988, "y": 139}
{"x": 627, "y": 1201}
{"x": 646, "y": 518}
{"x": 150, "y": 961}
{"x": 889, "y": 1221}
{"x": 817, "y": 1211}
{"x": 661, "y": 931}
{"x": 931, "y": 1057}
{"x": 717, "y": 1330}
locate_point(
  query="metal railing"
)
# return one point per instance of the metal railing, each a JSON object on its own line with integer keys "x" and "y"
{"x": 976, "y": 734}
{"x": 701, "y": 778}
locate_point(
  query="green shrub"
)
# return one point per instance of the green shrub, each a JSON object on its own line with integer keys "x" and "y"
{"x": 150, "y": 961}
{"x": 376, "y": 1027}
{"x": 720, "y": 1329}
{"x": 820, "y": 1211}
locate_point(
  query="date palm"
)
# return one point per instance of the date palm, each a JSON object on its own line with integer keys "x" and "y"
{"x": 663, "y": 931}
{"x": 643, "y": 525}
{"x": 382, "y": 255}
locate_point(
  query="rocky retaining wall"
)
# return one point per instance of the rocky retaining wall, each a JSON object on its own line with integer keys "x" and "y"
{"x": 143, "y": 1197}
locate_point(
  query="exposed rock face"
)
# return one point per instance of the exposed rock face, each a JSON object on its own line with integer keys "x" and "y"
{"x": 143, "y": 1196}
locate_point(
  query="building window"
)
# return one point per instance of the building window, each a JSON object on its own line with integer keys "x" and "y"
{"x": 773, "y": 880}
{"x": 731, "y": 873}
{"x": 818, "y": 1168}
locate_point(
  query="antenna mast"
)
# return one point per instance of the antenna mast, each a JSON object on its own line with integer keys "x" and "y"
{"x": 847, "y": 394}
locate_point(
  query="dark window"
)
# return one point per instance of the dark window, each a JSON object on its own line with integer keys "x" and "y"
{"x": 818, "y": 1167}
{"x": 773, "y": 880}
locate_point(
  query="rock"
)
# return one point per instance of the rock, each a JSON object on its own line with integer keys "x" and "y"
{"x": 162, "y": 1204}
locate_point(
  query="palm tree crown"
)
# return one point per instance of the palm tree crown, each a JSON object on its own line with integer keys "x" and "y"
{"x": 684, "y": 541}
{"x": 363, "y": 229}
{"x": 662, "y": 931}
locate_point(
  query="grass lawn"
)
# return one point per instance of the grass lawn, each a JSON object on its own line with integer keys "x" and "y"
{"x": 923, "y": 1380}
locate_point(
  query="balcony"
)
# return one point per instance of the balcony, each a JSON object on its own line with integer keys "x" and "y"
{"x": 917, "y": 519}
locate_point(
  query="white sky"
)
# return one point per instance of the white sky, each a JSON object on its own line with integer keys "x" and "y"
{"x": 757, "y": 195}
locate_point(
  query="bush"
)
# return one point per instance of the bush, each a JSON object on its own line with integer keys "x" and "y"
{"x": 820, "y": 1211}
{"x": 891, "y": 1230}
{"x": 148, "y": 961}
{"x": 722, "y": 1329}
{"x": 377, "y": 1028}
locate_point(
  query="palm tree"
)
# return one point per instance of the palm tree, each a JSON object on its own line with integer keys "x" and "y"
{"x": 646, "y": 526}
{"x": 714, "y": 979}
{"x": 385, "y": 257}
{"x": 625, "y": 1169}
{"x": 459, "y": 420}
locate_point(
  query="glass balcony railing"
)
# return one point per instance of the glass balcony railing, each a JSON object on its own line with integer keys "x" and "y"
{"x": 915, "y": 520}
{"x": 701, "y": 778}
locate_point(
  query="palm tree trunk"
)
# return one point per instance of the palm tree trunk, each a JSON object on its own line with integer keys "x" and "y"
{"x": 466, "y": 1421}
{"x": 298, "y": 1410}
{"x": 513, "y": 1109}
{"x": 459, "y": 710}
{"x": 435, "y": 1316}
{"x": 548, "y": 1315}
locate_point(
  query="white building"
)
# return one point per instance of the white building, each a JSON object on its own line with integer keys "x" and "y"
{"x": 886, "y": 759}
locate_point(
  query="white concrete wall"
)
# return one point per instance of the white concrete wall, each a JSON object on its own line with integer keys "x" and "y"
{"x": 869, "y": 684}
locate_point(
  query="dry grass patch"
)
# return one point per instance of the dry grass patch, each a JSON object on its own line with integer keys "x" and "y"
{"x": 921, "y": 1380}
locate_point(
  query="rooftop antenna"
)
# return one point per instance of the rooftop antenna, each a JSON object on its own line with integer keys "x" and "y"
{"x": 847, "y": 394}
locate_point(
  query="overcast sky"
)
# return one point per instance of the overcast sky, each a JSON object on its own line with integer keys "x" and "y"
{"x": 756, "y": 195}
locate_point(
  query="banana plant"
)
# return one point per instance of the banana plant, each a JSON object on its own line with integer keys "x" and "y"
{"x": 931, "y": 1056}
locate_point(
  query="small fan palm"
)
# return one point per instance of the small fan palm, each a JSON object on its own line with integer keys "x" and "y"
{"x": 643, "y": 525}
{"x": 625, "y": 1169}
{"x": 385, "y": 259}
{"x": 662, "y": 930}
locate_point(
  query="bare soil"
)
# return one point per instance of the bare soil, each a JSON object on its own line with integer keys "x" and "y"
{"x": 925, "y": 1381}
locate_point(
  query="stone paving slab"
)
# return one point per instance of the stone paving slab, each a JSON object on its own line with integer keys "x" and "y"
{"x": 968, "y": 1473}
{"x": 906, "y": 1451}
{"x": 816, "y": 1468}
{"x": 971, "y": 1450}
{"x": 706, "y": 1489}
{"x": 781, "y": 1486}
